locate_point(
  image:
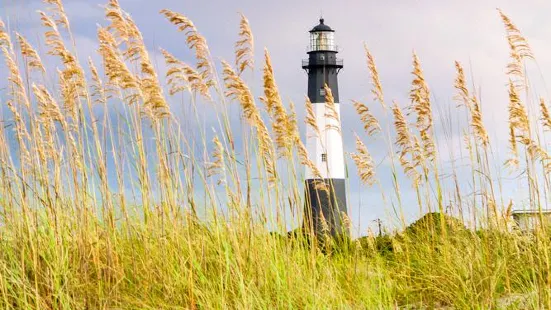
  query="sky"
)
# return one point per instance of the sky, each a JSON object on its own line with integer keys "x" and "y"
{"x": 440, "y": 32}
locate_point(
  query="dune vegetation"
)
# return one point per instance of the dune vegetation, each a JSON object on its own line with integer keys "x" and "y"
{"x": 109, "y": 201}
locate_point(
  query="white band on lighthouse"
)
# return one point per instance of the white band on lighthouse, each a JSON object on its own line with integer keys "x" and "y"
{"x": 326, "y": 150}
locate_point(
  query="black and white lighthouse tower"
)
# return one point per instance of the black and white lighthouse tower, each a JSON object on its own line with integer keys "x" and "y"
{"x": 325, "y": 208}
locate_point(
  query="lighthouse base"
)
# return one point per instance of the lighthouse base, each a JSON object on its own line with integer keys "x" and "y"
{"x": 325, "y": 211}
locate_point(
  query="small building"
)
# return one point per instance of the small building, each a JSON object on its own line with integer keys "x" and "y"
{"x": 528, "y": 220}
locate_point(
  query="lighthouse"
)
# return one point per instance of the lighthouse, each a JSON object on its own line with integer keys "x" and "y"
{"x": 325, "y": 206}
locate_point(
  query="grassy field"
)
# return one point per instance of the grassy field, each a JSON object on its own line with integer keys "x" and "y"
{"x": 129, "y": 210}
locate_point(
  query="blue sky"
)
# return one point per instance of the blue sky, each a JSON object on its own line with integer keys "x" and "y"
{"x": 439, "y": 31}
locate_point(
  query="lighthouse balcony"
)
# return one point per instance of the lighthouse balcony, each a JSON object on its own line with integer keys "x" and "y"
{"x": 311, "y": 63}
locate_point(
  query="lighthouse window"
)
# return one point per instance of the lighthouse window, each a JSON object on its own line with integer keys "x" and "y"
{"x": 322, "y": 92}
{"x": 322, "y": 57}
{"x": 322, "y": 41}
{"x": 324, "y": 157}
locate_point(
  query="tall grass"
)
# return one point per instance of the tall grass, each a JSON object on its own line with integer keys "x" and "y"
{"x": 107, "y": 200}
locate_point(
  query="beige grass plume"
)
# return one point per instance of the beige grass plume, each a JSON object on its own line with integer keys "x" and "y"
{"x": 406, "y": 144}
{"x": 331, "y": 110}
{"x": 519, "y": 50}
{"x": 5, "y": 39}
{"x": 98, "y": 88}
{"x": 519, "y": 124}
{"x": 377, "y": 89}
{"x": 181, "y": 76}
{"x": 421, "y": 104}
{"x": 310, "y": 118}
{"x": 275, "y": 108}
{"x": 363, "y": 160}
{"x": 116, "y": 69}
{"x": 59, "y": 12}
{"x": 71, "y": 77}
{"x": 518, "y": 117}
{"x": 18, "y": 90}
{"x": 125, "y": 29}
{"x": 545, "y": 116}
{"x": 32, "y": 57}
{"x": 217, "y": 167}
{"x": 236, "y": 88}
{"x": 244, "y": 47}
{"x": 48, "y": 113}
{"x": 371, "y": 125}
{"x": 195, "y": 41}
{"x": 471, "y": 102}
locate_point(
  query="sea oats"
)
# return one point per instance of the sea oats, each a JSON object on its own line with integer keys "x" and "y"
{"x": 310, "y": 118}
{"x": 244, "y": 47}
{"x": 196, "y": 42}
{"x": 545, "y": 116}
{"x": 59, "y": 11}
{"x": 331, "y": 113}
{"x": 364, "y": 162}
{"x": 275, "y": 108}
{"x": 377, "y": 89}
{"x": 18, "y": 90}
{"x": 519, "y": 50}
{"x": 237, "y": 89}
{"x": 181, "y": 76}
{"x": 126, "y": 29}
{"x": 5, "y": 39}
{"x": 30, "y": 54}
{"x": 406, "y": 144}
{"x": 371, "y": 125}
{"x": 421, "y": 105}
{"x": 217, "y": 167}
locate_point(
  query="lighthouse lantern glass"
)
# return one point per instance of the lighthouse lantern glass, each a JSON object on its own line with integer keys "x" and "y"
{"x": 322, "y": 41}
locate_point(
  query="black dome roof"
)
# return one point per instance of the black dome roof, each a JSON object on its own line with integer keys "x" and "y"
{"x": 322, "y": 27}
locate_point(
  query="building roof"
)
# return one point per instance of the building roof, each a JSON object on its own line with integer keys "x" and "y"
{"x": 530, "y": 212}
{"x": 322, "y": 27}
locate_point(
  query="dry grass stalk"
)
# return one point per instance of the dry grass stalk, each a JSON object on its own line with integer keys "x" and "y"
{"x": 331, "y": 111}
{"x": 310, "y": 118}
{"x": 536, "y": 152}
{"x": 125, "y": 29}
{"x": 115, "y": 68}
{"x": 32, "y": 57}
{"x": 518, "y": 117}
{"x": 48, "y": 113}
{"x": 237, "y": 89}
{"x": 72, "y": 79}
{"x": 471, "y": 102}
{"x": 478, "y": 126}
{"x": 22, "y": 135}
{"x": 98, "y": 88}
{"x": 421, "y": 104}
{"x": 377, "y": 89}
{"x": 519, "y": 49}
{"x": 48, "y": 109}
{"x": 181, "y": 76}
{"x": 519, "y": 124}
{"x": 59, "y": 13}
{"x": 371, "y": 125}
{"x": 406, "y": 144}
{"x": 546, "y": 117}
{"x": 244, "y": 47}
{"x": 364, "y": 162}
{"x": 512, "y": 162}
{"x": 17, "y": 89}
{"x": 275, "y": 108}
{"x": 217, "y": 167}
{"x": 195, "y": 41}
{"x": 5, "y": 39}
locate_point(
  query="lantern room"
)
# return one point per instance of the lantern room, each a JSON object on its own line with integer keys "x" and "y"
{"x": 322, "y": 38}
